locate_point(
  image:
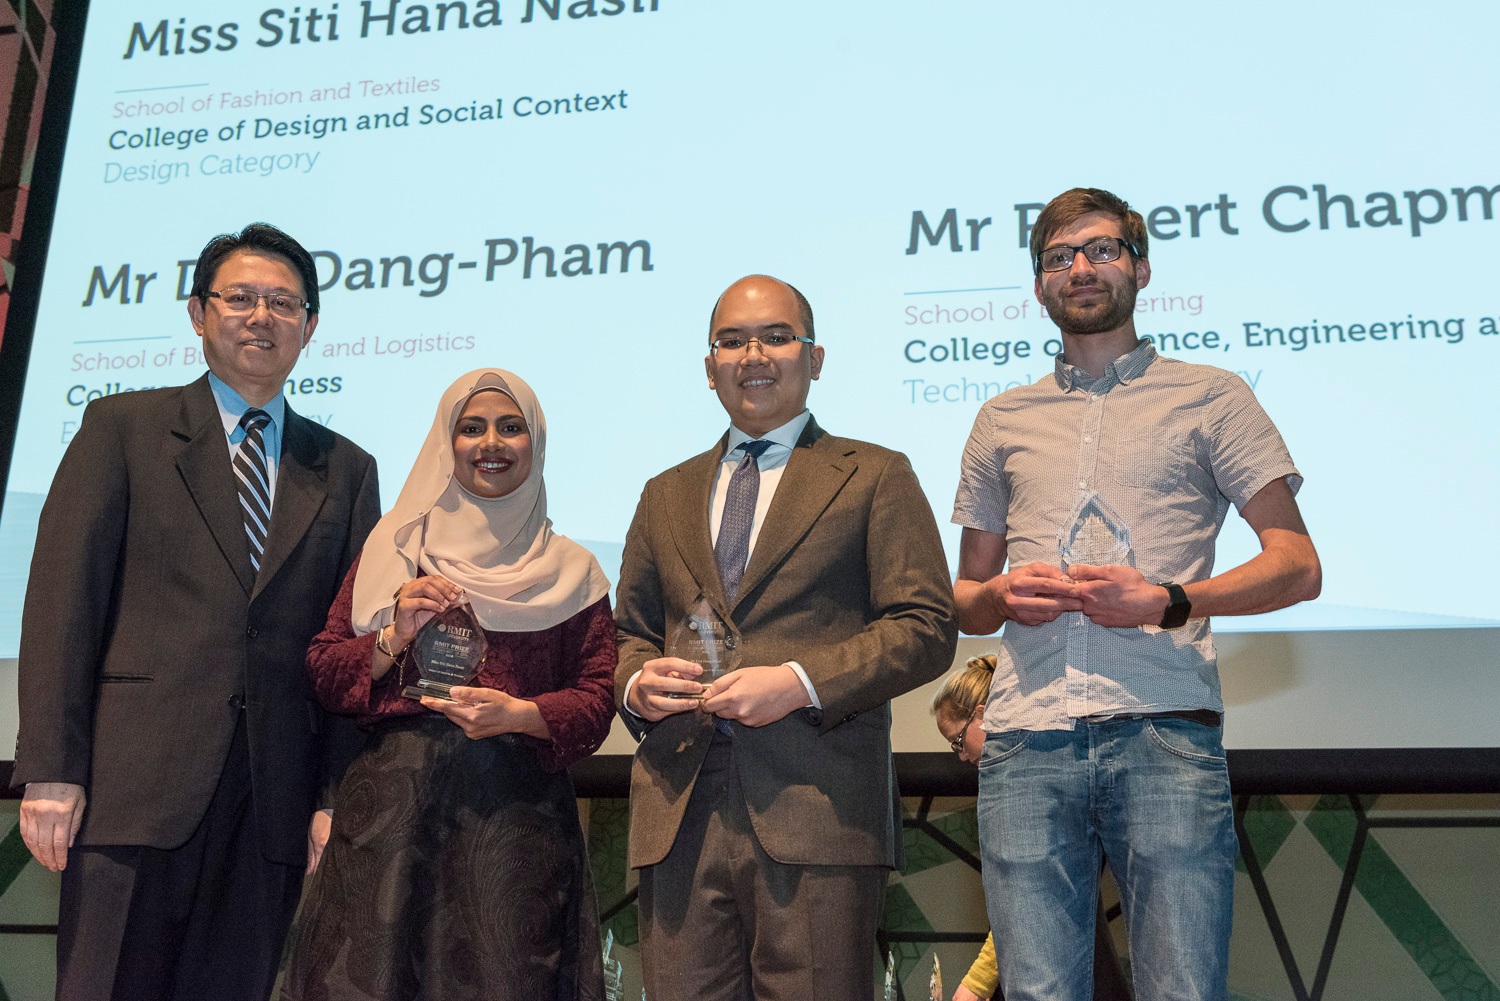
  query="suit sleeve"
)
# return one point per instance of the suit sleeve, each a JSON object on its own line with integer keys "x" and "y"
{"x": 913, "y": 633}
{"x": 639, "y": 618}
{"x": 363, "y": 516}
{"x": 342, "y": 739}
{"x": 80, "y": 538}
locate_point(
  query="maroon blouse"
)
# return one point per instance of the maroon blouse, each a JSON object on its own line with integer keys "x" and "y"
{"x": 568, "y": 671}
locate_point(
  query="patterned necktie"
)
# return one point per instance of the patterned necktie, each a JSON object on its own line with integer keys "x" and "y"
{"x": 254, "y": 482}
{"x": 733, "y": 548}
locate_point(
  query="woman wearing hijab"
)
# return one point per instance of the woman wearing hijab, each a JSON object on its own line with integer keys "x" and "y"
{"x": 456, "y": 866}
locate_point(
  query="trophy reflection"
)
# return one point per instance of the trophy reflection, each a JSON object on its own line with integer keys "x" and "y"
{"x": 706, "y": 640}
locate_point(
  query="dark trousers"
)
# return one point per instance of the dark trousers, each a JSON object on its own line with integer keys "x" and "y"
{"x": 203, "y": 921}
{"x": 723, "y": 921}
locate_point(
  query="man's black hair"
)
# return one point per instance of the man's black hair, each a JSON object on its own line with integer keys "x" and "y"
{"x": 263, "y": 238}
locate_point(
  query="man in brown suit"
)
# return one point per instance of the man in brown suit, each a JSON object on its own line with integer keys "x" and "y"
{"x": 764, "y": 810}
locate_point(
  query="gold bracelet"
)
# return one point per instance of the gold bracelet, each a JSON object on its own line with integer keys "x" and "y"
{"x": 382, "y": 645}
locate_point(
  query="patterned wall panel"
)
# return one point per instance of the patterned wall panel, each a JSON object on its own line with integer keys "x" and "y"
{"x": 26, "y": 41}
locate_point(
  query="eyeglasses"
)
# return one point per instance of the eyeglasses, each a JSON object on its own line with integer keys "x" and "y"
{"x": 957, "y": 740}
{"x": 242, "y": 300}
{"x": 733, "y": 345}
{"x": 1100, "y": 251}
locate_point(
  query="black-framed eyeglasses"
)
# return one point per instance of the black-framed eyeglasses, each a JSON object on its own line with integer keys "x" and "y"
{"x": 242, "y": 300}
{"x": 957, "y": 740}
{"x": 1098, "y": 251}
{"x": 733, "y": 345}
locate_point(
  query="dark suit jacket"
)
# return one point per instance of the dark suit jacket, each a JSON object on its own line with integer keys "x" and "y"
{"x": 847, "y": 578}
{"x": 145, "y": 628}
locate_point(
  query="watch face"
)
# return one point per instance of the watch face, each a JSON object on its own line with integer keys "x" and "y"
{"x": 1178, "y": 607}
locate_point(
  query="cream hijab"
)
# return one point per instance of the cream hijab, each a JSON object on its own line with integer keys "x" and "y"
{"x": 519, "y": 576}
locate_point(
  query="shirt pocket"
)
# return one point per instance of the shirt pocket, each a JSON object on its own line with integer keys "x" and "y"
{"x": 1141, "y": 457}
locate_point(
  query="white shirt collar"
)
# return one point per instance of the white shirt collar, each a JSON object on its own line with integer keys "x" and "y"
{"x": 785, "y": 436}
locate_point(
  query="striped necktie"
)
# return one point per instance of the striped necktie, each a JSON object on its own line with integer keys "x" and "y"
{"x": 254, "y": 482}
{"x": 732, "y": 550}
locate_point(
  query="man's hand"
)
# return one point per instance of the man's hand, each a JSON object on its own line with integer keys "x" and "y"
{"x": 964, "y": 994}
{"x": 317, "y": 838}
{"x": 51, "y": 813}
{"x": 1033, "y": 594}
{"x": 756, "y": 696}
{"x": 1119, "y": 596}
{"x": 651, "y": 697}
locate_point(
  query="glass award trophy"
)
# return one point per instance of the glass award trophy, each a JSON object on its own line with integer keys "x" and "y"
{"x": 890, "y": 977}
{"x": 935, "y": 985}
{"x": 1095, "y": 536}
{"x": 448, "y": 651}
{"x": 704, "y": 638}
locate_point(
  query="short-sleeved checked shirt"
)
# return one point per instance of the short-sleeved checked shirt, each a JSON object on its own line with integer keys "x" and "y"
{"x": 1168, "y": 446}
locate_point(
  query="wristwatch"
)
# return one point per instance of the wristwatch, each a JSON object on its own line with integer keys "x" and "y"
{"x": 1178, "y": 606}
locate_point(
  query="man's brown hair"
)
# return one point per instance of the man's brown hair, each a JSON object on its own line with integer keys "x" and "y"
{"x": 1075, "y": 203}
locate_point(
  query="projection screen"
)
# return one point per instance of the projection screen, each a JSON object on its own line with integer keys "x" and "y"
{"x": 562, "y": 189}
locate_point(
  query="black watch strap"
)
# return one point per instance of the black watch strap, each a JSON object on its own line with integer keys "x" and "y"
{"x": 1178, "y": 606}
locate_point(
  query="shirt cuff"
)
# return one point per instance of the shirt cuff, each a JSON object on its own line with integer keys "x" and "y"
{"x": 626, "y": 700}
{"x": 812, "y": 692}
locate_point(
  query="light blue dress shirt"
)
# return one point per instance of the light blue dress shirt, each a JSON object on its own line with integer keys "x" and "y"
{"x": 232, "y": 407}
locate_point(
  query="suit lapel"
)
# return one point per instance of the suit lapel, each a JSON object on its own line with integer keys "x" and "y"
{"x": 689, "y": 523}
{"x": 814, "y": 475}
{"x": 204, "y": 466}
{"x": 301, "y": 487}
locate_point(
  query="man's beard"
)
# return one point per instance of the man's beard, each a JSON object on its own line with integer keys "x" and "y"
{"x": 1082, "y": 320}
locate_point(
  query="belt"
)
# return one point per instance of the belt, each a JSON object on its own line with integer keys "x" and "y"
{"x": 1205, "y": 717}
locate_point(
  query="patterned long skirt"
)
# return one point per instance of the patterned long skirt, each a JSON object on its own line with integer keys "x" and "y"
{"x": 456, "y": 870}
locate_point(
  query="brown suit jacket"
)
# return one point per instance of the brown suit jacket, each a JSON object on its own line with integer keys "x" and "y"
{"x": 146, "y": 634}
{"x": 847, "y": 578}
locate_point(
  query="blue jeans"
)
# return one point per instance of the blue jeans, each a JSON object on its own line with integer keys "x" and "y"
{"x": 1151, "y": 796}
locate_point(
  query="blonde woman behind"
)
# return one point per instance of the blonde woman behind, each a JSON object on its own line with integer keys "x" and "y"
{"x": 958, "y": 708}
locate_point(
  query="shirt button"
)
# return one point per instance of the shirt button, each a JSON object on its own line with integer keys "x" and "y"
{"x": 1088, "y": 439}
{"x": 1082, "y": 484}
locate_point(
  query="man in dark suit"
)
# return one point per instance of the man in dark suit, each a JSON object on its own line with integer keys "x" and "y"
{"x": 764, "y": 811}
{"x": 189, "y": 548}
